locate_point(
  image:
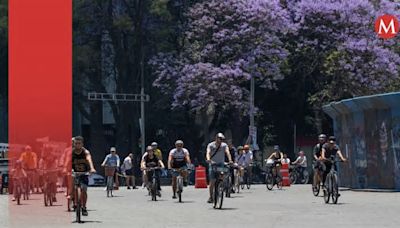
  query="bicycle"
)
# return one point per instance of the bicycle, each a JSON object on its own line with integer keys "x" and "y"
{"x": 295, "y": 175}
{"x": 179, "y": 182}
{"x": 110, "y": 172}
{"x": 220, "y": 170}
{"x": 331, "y": 184}
{"x": 77, "y": 192}
{"x": 49, "y": 186}
{"x": 25, "y": 188}
{"x": 153, "y": 188}
{"x": 316, "y": 186}
{"x": 272, "y": 178}
{"x": 18, "y": 189}
{"x": 237, "y": 184}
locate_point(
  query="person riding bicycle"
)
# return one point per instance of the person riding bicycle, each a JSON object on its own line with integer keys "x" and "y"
{"x": 216, "y": 152}
{"x": 277, "y": 156}
{"x": 301, "y": 163}
{"x": 179, "y": 157}
{"x": 150, "y": 160}
{"x": 319, "y": 165}
{"x": 112, "y": 161}
{"x": 241, "y": 162}
{"x": 49, "y": 167}
{"x": 249, "y": 160}
{"x": 16, "y": 173}
{"x": 29, "y": 161}
{"x": 82, "y": 162}
{"x": 156, "y": 150}
{"x": 329, "y": 151}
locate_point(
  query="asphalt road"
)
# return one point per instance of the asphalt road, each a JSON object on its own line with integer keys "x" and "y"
{"x": 291, "y": 207}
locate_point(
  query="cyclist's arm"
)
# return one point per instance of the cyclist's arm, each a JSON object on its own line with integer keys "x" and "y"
{"x": 228, "y": 154}
{"x": 34, "y": 161}
{"x": 118, "y": 161}
{"x": 341, "y": 155}
{"x": 143, "y": 164}
{"x": 271, "y": 156}
{"x": 296, "y": 161}
{"x": 323, "y": 154}
{"x": 90, "y": 161}
{"x": 170, "y": 160}
{"x": 160, "y": 163}
{"x": 208, "y": 154}
{"x": 105, "y": 160}
{"x": 187, "y": 157}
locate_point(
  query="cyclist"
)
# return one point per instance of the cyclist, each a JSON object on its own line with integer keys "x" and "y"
{"x": 82, "y": 162}
{"x": 319, "y": 165}
{"x": 301, "y": 163}
{"x": 29, "y": 163}
{"x": 17, "y": 172}
{"x": 285, "y": 159}
{"x": 216, "y": 152}
{"x": 149, "y": 160}
{"x": 277, "y": 156}
{"x": 112, "y": 161}
{"x": 241, "y": 162}
{"x": 329, "y": 150}
{"x": 233, "y": 152}
{"x": 178, "y": 157}
{"x": 157, "y": 151}
{"x": 249, "y": 161}
{"x": 46, "y": 165}
{"x": 67, "y": 165}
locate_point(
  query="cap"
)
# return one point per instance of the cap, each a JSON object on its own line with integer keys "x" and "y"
{"x": 332, "y": 138}
{"x": 178, "y": 142}
{"x": 246, "y": 147}
{"x": 220, "y": 135}
{"x": 149, "y": 148}
{"x": 113, "y": 149}
{"x": 239, "y": 148}
{"x": 154, "y": 144}
{"x": 28, "y": 148}
{"x": 322, "y": 136}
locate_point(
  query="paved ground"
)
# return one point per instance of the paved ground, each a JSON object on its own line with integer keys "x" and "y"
{"x": 257, "y": 207}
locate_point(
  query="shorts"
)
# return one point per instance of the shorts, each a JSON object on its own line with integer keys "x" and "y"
{"x": 84, "y": 182}
{"x": 212, "y": 173}
{"x": 176, "y": 173}
{"x": 129, "y": 172}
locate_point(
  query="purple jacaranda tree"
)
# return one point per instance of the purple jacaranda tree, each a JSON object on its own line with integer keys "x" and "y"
{"x": 350, "y": 59}
{"x": 226, "y": 43}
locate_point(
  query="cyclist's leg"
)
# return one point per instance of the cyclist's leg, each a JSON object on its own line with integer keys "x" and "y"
{"x": 327, "y": 170}
{"x": 174, "y": 183}
{"x": 212, "y": 183}
{"x": 158, "y": 175}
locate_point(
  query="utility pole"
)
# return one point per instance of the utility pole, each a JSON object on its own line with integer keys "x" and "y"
{"x": 252, "y": 128}
{"x": 142, "y": 113}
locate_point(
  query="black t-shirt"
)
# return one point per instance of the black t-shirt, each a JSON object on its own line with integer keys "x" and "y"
{"x": 330, "y": 152}
{"x": 318, "y": 150}
{"x": 151, "y": 162}
{"x": 79, "y": 162}
{"x": 233, "y": 153}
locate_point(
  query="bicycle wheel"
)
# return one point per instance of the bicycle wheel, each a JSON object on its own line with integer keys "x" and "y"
{"x": 279, "y": 183}
{"x": 335, "y": 189}
{"x": 248, "y": 183}
{"x": 216, "y": 194}
{"x": 327, "y": 190}
{"x": 154, "y": 190}
{"x": 180, "y": 188}
{"x": 293, "y": 177}
{"x": 304, "y": 180}
{"x": 316, "y": 188}
{"x": 45, "y": 195}
{"x": 269, "y": 181}
{"x": 18, "y": 195}
{"x": 228, "y": 185}
{"x": 221, "y": 189}
{"x": 237, "y": 184}
{"x": 78, "y": 204}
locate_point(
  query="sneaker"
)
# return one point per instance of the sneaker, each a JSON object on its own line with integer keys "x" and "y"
{"x": 105, "y": 189}
{"x": 210, "y": 200}
{"x": 174, "y": 197}
{"x": 158, "y": 193}
{"x": 13, "y": 199}
{"x": 134, "y": 187}
{"x": 128, "y": 187}
{"x": 84, "y": 212}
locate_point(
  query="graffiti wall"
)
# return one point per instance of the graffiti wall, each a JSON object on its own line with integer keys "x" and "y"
{"x": 368, "y": 133}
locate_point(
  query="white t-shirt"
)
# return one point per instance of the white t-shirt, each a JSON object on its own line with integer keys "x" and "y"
{"x": 285, "y": 161}
{"x": 128, "y": 163}
{"x": 302, "y": 161}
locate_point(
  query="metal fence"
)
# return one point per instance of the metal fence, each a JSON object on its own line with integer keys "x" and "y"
{"x": 368, "y": 133}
